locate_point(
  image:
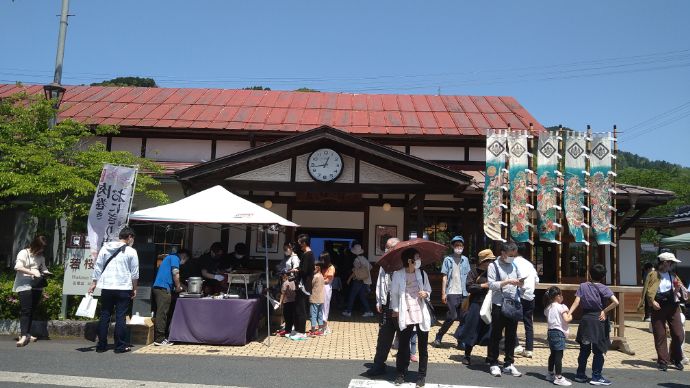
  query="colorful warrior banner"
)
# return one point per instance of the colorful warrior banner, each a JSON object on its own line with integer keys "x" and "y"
{"x": 519, "y": 213}
{"x": 547, "y": 198}
{"x": 495, "y": 164}
{"x": 573, "y": 201}
{"x": 600, "y": 186}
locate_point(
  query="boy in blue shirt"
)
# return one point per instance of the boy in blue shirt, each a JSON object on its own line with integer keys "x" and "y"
{"x": 167, "y": 282}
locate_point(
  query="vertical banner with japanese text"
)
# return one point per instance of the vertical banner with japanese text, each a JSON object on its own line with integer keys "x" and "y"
{"x": 575, "y": 146}
{"x": 519, "y": 213}
{"x": 547, "y": 198}
{"x": 496, "y": 152}
{"x": 600, "y": 186}
{"x": 110, "y": 205}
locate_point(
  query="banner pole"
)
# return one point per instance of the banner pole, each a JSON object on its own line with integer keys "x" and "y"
{"x": 614, "y": 229}
{"x": 588, "y": 200}
{"x": 131, "y": 198}
{"x": 268, "y": 303}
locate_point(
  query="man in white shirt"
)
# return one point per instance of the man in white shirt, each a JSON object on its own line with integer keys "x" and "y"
{"x": 116, "y": 273}
{"x": 526, "y": 270}
{"x": 387, "y": 326}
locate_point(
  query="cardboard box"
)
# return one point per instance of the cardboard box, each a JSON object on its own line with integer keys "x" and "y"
{"x": 141, "y": 334}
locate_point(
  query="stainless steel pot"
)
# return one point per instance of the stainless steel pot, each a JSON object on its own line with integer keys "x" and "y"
{"x": 194, "y": 285}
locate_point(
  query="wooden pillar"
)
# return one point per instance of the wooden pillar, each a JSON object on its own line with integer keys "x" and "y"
{"x": 420, "y": 215}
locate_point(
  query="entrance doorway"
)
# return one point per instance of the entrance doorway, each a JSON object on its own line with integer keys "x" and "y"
{"x": 331, "y": 240}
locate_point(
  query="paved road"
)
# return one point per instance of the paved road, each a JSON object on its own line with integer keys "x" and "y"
{"x": 57, "y": 362}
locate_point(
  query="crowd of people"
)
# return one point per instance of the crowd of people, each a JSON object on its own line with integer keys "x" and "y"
{"x": 488, "y": 299}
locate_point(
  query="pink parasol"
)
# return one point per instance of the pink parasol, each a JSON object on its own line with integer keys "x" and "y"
{"x": 429, "y": 251}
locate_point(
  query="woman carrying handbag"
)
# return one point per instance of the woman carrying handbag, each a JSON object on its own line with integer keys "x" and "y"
{"x": 29, "y": 282}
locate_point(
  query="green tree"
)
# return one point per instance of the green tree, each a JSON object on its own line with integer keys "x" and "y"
{"x": 53, "y": 169}
{"x": 128, "y": 81}
{"x": 307, "y": 90}
{"x": 256, "y": 88}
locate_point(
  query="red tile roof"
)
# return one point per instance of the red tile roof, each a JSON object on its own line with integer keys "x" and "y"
{"x": 220, "y": 109}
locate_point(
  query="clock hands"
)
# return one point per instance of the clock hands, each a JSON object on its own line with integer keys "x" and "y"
{"x": 325, "y": 164}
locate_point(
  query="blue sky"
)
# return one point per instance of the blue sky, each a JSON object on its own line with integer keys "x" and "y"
{"x": 575, "y": 63}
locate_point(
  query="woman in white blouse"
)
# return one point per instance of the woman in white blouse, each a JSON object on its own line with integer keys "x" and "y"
{"x": 30, "y": 264}
{"x": 410, "y": 290}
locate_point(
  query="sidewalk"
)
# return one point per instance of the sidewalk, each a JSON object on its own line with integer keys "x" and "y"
{"x": 353, "y": 340}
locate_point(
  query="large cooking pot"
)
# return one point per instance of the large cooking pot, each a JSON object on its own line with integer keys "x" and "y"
{"x": 194, "y": 285}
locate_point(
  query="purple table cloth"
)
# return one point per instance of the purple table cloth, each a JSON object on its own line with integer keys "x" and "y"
{"x": 215, "y": 321}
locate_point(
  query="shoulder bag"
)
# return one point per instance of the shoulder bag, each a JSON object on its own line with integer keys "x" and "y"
{"x": 38, "y": 281}
{"x": 432, "y": 311}
{"x": 511, "y": 308}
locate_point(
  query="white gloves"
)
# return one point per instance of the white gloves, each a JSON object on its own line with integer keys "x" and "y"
{"x": 220, "y": 278}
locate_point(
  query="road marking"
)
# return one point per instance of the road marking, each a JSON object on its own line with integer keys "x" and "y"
{"x": 83, "y": 381}
{"x": 357, "y": 383}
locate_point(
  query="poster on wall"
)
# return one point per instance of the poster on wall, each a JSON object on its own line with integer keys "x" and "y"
{"x": 272, "y": 246}
{"x": 382, "y": 234}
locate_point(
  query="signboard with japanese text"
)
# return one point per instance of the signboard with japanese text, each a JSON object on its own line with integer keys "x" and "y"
{"x": 78, "y": 271}
{"x": 111, "y": 205}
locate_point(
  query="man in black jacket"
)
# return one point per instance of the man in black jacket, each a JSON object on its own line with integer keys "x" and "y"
{"x": 303, "y": 282}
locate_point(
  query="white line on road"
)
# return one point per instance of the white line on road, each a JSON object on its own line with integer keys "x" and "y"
{"x": 387, "y": 384}
{"x": 82, "y": 381}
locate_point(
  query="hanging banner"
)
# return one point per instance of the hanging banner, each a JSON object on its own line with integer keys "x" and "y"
{"x": 600, "y": 186}
{"x": 495, "y": 163}
{"x": 573, "y": 201}
{"x": 547, "y": 199}
{"x": 519, "y": 213}
{"x": 110, "y": 205}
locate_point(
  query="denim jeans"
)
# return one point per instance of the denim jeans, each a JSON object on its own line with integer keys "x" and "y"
{"x": 597, "y": 362}
{"x": 316, "y": 310}
{"x": 358, "y": 288}
{"x": 119, "y": 300}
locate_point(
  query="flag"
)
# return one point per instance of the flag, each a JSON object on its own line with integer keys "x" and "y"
{"x": 600, "y": 186}
{"x": 573, "y": 201}
{"x": 493, "y": 183}
{"x": 547, "y": 198}
{"x": 519, "y": 213}
{"x": 111, "y": 205}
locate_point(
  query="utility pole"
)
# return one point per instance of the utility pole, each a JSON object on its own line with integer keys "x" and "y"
{"x": 57, "y": 78}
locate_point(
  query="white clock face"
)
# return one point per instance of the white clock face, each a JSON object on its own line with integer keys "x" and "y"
{"x": 325, "y": 165}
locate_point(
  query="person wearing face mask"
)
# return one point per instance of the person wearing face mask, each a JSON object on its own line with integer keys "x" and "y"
{"x": 453, "y": 285}
{"x": 166, "y": 284}
{"x": 116, "y": 273}
{"x": 504, "y": 281}
{"x": 30, "y": 264}
{"x": 239, "y": 258}
{"x": 291, "y": 258}
{"x": 387, "y": 325}
{"x": 410, "y": 289}
{"x": 664, "y": 291}
{"x": 527, "y": 270}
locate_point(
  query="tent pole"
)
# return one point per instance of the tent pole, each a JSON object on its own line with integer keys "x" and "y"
{"x": 268, "y": 303}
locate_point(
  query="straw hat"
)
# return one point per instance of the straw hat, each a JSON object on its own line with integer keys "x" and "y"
{"x": 486, "y": 254}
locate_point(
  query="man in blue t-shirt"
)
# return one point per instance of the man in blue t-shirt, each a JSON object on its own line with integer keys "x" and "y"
{"x": 167, "y": 282}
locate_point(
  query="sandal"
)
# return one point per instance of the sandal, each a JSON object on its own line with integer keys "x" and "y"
{"x": 23, "y": 341}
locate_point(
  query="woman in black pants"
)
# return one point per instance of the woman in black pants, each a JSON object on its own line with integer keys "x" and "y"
{"x": 303, "y": 285}
{"x": 30, "y": 264}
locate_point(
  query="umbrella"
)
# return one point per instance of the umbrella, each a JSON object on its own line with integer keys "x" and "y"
{"x": 429, "y": 251}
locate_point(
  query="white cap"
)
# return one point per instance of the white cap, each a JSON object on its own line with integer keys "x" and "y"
{"x": 668, "y": 256}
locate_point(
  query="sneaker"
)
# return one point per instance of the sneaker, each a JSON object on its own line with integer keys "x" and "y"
{"x": 298, "y": 337}
{"x": 495, "y": 371}
{"x": 527, "y": 354}
{"x": 599, "y": 381}
{"x": 647, "y": 319}
{"x": 581, "y": 378}
{"x": 327, "y": 331}
{"x": 562, "y": 381}
{"x": 420, "y": 382}
{"x": 519, "y": 349}
{"x": 165, "y": 342}
{"x": 414, "y": 358}
{"x": 346, "y": 314}
{"x": 400, "y": 379}
{"x": 466, "y": 361}
{"x": 436, "y": 343}
{"x": 662, "y": 367}
{"x": 368, "y": 314}
{"x": 678, "y": 365}
{"x": 511, "y": 370}
{"x": 550, "y": 376}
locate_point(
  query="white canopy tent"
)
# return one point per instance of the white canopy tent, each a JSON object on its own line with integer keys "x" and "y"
{"x": 216, "y": 206}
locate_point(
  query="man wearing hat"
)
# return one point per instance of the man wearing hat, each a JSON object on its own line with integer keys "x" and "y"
{"x": 360, "y": 280}
{"x": 453, "y": 285}
{"x": 665, "y": 292}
